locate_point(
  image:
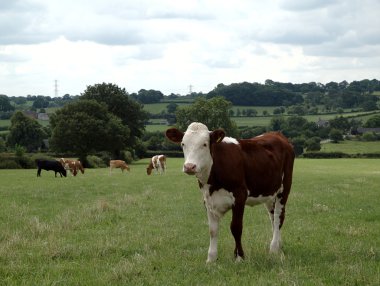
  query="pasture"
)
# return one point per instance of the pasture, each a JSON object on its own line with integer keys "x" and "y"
{"x": 352, "y": 147}
{"x": 131, "y": 229}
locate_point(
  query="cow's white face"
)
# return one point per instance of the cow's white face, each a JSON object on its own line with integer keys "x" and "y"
{"x": 196, "y": 149}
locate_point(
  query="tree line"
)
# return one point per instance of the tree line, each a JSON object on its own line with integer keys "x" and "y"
{"x": 332, "y": 95}
{"x": 105, "y": 118}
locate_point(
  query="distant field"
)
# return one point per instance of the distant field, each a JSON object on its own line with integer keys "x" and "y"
{"x": 131, "y": 229}
{"x": 156, "y": 127}
{"x": 5, "y": 122}
{"x": 159, "y": 107}
{"x": 352, "y": 147}
{"x": 252, "y": 121}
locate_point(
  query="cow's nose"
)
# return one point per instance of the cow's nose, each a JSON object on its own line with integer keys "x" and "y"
{"x": 189, "y": 168}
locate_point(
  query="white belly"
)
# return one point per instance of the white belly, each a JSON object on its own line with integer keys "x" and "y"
{"x": 219, "y": 202}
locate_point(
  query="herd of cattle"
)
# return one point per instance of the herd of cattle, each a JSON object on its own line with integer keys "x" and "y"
{"x": 61, "y": 166}
{"x": 231, "y": 173}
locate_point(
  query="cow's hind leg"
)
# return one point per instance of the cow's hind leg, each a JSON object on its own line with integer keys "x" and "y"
{"x": 237, "y": 229}
{"x": 270, "y": 207}
{"x": 278, "y": 219}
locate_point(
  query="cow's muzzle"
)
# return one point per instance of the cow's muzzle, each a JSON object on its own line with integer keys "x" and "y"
{"x": 189, "y": 168}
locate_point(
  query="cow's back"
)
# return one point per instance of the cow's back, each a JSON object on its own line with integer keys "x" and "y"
{"x": 257, "y": 164}
{"x": 269, "y": 162}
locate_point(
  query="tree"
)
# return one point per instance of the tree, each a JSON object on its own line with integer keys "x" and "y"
{"x": 148, "y": 96}
{"x": 279, "y": 110}
{"x": 25, "y": 131}
{"x": 336, "y": 135}
{"x": 171, "y": 107}
{"x": 298, "y": 145}
{"x": 277, "y": 123}
{"x": 213, "y": 113}
{"x": 369, "y": 105}
{"x": 373, "y": 122}
{"x": 297, "y": 109}
{"x": 121, "y": 105}
{"x": 87, "y": 126}
{"x": 5, "y": 104}
{"x": 340, "y": 123}
{"x": 40, "y": 102}
{"x": 313, "y": 144}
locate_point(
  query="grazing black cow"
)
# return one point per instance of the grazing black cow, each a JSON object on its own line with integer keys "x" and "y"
{"x": 50, "y": 165}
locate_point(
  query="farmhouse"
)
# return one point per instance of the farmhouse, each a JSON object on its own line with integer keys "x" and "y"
{"x": 30, "y": 113}
{"x": 43, "y": 116}
{"x": 362, "y": 130}
{"x": 322, "y": 123}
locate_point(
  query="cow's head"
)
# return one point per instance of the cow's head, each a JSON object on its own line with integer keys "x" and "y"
{"x": 149, "y": 169}
{"x": 195, "y": 143}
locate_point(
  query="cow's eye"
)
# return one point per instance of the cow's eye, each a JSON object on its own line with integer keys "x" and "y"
{"x": 183, "y": 145}
{"x": 205, "y": 145}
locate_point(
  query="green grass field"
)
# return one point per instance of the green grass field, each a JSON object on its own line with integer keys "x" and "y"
{"x": 131, "y": 229}
{"x": 352, "y": 147}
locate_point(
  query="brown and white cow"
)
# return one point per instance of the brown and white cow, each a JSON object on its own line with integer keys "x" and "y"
{"x": 72, "y": 165}
{"x": 158, "y": 163}
{"x": 233, "y": 173}
{"x": 119, "y": 164}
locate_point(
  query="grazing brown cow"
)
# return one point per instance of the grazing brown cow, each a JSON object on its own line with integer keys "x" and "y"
{"x": 119, "y": 164}
{"x": 72, "y": 165}
{"x": 158, "y": 163}
{"x": 233, "y": 173}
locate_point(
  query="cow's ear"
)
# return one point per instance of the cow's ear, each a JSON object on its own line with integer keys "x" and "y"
{"x": 174, "y": 135}
{"x": 217, "y": 136}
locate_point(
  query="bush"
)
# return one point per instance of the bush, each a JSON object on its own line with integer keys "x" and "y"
{"x": 168, "y": 153}
{"x": 13, "y": 161}
{"x": 313, "y": 144}
{"x": 127, "y": 156}
{"x": 2, "y": 145}
{"x": 41, "y": 156}
{"x": 336, "y": 135}
{"x": 326, "y": 155}
{"x": 9, "y": 164}
{"x": 25, "y": 162}
{"x": 95, "y": 162}
{"x": 369, "y": 136}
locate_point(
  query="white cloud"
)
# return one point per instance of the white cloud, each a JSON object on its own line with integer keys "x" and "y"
{"x": 168, "y": 45}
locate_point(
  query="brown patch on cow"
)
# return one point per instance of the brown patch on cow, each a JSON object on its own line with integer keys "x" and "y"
{"x": 174, "y": 135}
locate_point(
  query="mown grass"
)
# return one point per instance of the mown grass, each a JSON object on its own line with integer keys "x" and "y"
{"x": 131, "y": 229}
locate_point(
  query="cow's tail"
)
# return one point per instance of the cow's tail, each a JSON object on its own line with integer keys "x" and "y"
{"x": 288, "y": 173}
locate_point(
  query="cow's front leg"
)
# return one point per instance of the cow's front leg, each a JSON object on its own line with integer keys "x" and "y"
{"x": 213, "y": 224}
{"x": 237, "y": 229}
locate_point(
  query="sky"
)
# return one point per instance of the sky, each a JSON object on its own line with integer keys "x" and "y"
{"x": 55, "y": 47}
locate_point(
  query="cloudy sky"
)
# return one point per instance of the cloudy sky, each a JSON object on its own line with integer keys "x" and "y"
{"x": 170, "y": 45}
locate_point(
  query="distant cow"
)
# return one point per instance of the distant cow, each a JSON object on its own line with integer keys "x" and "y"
{"x": 72, "y": 165}
{"x": 119, "y": 164}
{"x": 233, "y": 173}
{"x": 50, "y": 165}
{"x": 158, "y": 163}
